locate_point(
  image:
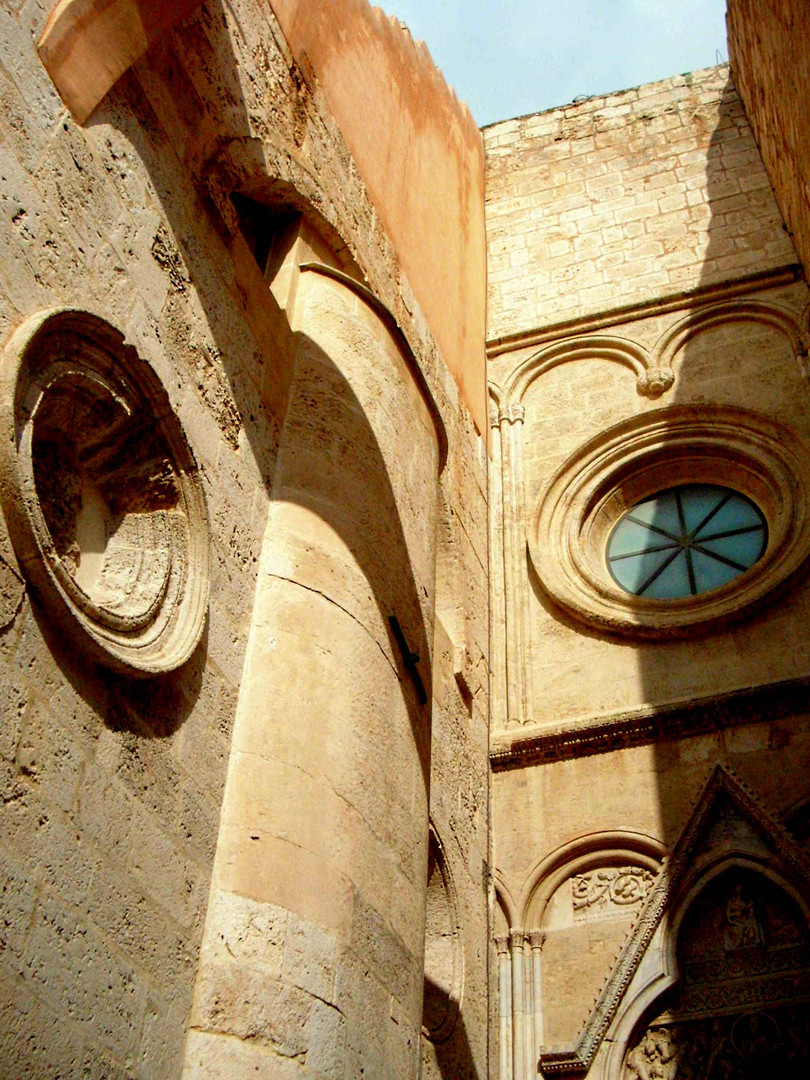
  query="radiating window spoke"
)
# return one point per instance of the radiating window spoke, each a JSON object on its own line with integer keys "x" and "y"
{"x": 685, "y": 541}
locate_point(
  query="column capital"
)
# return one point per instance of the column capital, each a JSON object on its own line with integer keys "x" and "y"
{"x": 536, "y": 939}
{"x": 501, "y": 943}
{"x": 513, "y": 413}
{"x": 517, "y": 939}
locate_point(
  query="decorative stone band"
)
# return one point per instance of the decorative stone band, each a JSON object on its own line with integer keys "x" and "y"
{"x": 762, "y": 459}
{"x": 724, "y": 292}
{"x": 101, "y": 493}
{"x": 603, "y": 734}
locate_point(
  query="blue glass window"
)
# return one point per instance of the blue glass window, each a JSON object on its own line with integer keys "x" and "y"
{"x": 685, "y": 541}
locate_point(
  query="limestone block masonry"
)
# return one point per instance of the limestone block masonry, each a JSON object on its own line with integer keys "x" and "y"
{"x": 599, "y": 205}
{"x": 331, "y": 745}
{"x": 647, "y": 311}
{"x": 769, "y": 49}
{"x": 234, "y": 841}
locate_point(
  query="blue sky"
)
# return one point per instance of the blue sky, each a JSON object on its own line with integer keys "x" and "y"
{"x": 510, "y": 57}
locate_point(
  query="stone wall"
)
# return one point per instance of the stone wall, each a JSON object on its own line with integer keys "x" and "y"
{"x": 642, "y": 279}
{"x": 611, "y": 811}
{"x": 768, "y": 46}
{"x": 573, "y": 382}
{"x": 113, "y": 786}
{"x": 605, "y": 203}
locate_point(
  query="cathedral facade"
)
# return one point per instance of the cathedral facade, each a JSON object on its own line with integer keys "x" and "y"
{"x": 403, "y": 557}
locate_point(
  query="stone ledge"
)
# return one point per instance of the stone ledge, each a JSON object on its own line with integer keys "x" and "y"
{"x": 662, "y": 305}
{"x": 639, "y": 727}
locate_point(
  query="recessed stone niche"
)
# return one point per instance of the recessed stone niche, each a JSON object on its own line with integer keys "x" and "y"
{"x": 101, "y": 493}
{"x": 443, "y": 956}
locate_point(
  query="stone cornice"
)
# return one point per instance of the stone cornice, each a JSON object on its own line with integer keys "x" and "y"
{"x": 617, "y": 731}
{"x": 587, "y": 324}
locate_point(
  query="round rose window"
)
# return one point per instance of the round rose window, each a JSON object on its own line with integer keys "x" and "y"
{"x": 685, "y": 541}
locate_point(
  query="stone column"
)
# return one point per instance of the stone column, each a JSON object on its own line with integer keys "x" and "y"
{"x": 536, "y": 939}
{"x": 516, "y": 943}
{"x": 504, "y": 1007}
{"x": 518, "y": 658}
{"x": 497, "y": 594}
{"x": 314, "y": 939}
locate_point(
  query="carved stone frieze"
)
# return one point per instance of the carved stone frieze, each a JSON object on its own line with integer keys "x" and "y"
{"x": 608, "y": 892}
{"x": 101, "y": 493}
{"x": 773, "y": 1042}
{"x": 599, "y": 735}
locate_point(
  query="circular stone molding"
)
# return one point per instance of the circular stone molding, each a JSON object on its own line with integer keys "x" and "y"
{"x": 102, "y": 494}
{"x": 683, "y": 444}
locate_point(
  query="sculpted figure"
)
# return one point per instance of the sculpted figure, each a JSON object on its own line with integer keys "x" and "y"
{"x": 655, "y": 1057}
{"x": 742, "y": 930}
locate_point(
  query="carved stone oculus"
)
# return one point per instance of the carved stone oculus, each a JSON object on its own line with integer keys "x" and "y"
{"x": 102, "y": 494}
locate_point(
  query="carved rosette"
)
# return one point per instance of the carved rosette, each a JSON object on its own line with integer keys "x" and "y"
{"x": 101, "y": 493}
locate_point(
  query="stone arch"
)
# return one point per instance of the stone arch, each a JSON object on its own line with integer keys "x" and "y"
{"x": 444, "y": 954}
{"x": 579, "y": 855}
{"x": 271, "y": 176}
{"x": 505, "y": 906}
{"x": 601, "y": 347}
{"x": 697, "y": 321}
{"x": 579, "y": 899}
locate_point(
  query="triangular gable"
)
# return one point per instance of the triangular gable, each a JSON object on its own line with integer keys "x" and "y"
{"x": 708, "y": 828}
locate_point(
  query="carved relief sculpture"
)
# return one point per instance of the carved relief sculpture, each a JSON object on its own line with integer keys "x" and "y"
{"x": 102, "y": 495}
{"x": 742, "y": 1008}
{"x": 609, "y": 892}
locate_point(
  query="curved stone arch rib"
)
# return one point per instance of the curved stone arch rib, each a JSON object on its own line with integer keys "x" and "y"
{"x": 442, "y": 1031}
{"x": 495, "y": 399}
{"x": 673, "y": 879}
{"x": 269, "y": 174}
{"x": 619, "y": 350}
{"x": 265, "y": 170}
{"x": 805, "y": 326}
{"x": 393, "y": 327}
{"x": 582, "y": 853}
{"x": 505, "y": 899}
{"x": 678, "y": 336}
{"x": 87, "y": 45}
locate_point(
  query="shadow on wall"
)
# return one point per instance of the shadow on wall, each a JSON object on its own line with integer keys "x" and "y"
{"x": 453, "y": 1057}
{"x": 196, "y": 255}
{"x": 706, "y": 535}
{"x": 336, "y": 469}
